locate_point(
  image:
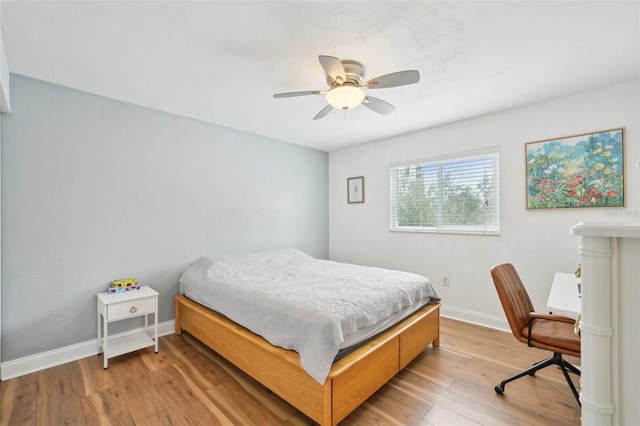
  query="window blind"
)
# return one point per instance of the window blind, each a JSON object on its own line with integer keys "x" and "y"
{"x": 458, "y": 194}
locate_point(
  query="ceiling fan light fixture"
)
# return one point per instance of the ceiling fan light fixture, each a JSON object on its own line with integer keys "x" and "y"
{"x": 346, "y": 88}
{"x": 345, "y": 97}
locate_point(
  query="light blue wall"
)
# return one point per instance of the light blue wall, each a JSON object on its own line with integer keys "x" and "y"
{"x": 1, "y": 115}
{"x": 95, "y": 189}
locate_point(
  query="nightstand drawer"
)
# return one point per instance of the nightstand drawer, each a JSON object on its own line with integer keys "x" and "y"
{"x": 130, "y": 308}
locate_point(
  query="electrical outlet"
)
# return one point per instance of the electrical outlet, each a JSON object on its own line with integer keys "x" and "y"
{"x": 445, "y": 280}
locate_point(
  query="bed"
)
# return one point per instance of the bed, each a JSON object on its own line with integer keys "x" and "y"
{"x": 325, "y": 381}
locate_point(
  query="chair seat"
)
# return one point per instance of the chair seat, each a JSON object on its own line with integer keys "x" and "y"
{"x": 553, "y": 335}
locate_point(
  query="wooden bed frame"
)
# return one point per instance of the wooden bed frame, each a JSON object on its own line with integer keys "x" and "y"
{"x": 351, "y": 379}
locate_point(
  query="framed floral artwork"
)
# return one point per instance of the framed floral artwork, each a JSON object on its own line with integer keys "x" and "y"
{"x": 585, "y": 170}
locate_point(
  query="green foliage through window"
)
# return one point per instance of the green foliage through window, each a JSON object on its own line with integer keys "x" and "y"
{"x": 453, "y": 194}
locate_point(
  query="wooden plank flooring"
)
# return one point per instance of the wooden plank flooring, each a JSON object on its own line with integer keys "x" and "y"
{"x": 188, "y": 384}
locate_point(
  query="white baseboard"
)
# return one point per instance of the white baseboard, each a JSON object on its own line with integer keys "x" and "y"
{"x": 490, "y": 321}
{"x": 37, "y": 362}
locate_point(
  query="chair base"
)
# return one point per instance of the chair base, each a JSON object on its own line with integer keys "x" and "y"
{"x": 556, "y": 359}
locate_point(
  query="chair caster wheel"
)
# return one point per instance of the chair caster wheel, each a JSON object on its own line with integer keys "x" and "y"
{"x": 499, "y": 390}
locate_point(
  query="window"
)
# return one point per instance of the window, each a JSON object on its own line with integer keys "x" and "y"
{"x": 456, "y": 194}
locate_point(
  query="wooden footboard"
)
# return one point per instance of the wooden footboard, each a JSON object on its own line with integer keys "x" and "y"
{"x": 351, "y": 380}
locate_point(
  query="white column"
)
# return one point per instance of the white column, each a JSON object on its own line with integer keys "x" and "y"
{"x": 610, "y": 276}
{"x": 596, "y": 332}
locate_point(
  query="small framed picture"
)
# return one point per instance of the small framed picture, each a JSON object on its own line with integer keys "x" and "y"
{"x": 355, "y": 190}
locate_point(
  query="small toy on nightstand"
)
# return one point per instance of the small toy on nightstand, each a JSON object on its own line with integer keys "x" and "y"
{"x": 123, "y": 285}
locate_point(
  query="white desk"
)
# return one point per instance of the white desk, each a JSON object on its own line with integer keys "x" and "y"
{"x": 564, "y": 297}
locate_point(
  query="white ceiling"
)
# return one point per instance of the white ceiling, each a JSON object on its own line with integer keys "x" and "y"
{"x": 221, "y": 62}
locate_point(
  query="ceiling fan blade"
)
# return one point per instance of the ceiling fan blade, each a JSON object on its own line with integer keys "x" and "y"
{"x": 334, "y": 68}
{"x": 326, "y": 110}
{"x": 400, "y": 78}
{"x": 292, "y": 94}
{"x": 378, "y": 105}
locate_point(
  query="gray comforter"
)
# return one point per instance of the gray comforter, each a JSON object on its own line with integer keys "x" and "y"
{"x": 297, "y": 302}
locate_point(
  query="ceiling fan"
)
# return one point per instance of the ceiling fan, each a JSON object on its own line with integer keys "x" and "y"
{"x": 346, "y": 86}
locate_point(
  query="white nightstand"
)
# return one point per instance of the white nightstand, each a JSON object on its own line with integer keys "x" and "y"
{"x": 117, "y": 307}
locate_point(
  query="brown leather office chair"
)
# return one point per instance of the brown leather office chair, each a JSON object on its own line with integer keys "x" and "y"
{"x": 544, "y": 331}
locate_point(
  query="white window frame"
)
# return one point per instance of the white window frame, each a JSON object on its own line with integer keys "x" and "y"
{"x": 492, "y": 228}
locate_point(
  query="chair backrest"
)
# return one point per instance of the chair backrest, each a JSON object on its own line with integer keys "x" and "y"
{"x": 513, "y": 296}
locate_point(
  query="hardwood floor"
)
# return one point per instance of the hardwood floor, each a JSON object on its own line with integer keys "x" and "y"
{"x": 188, "y": 384}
